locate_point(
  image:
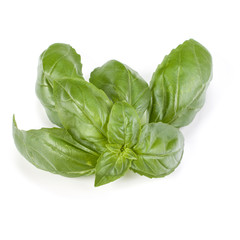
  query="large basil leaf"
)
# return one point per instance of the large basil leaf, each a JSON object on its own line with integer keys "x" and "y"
{"x": 83, "y": 110}
{"x": 124, "y": 125}
{"x": 121, "y": 83}
{"x": 179, "y": 84}
{"x": 159, "y": 150}
{"x": 54, "y": 150}
{"x": 58, "y": 61}
{"x": 112, "y": 165}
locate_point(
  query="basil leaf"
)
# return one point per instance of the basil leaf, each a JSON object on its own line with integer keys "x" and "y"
{"x": 179, "y": 84}
{"x": 57, "y": 62}
{"x": 83, "y": 110}
{"x": 117, "y": 148}
{"x": 111, "y": 166}
{"x": 159, "y": 150}
{"x": 124, "y": 125}
{"x": 54, "y": 150}
{"x": 121, "y": 83}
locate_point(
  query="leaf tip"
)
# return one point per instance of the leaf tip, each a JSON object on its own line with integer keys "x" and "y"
{"x": 97, "y": 183}
{"x": 14, "y": 123}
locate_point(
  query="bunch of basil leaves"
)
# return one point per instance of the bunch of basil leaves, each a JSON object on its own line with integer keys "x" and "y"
{"x": 116, "y": 121}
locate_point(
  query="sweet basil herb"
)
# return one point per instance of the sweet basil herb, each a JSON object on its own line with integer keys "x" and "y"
{"x": 103, "y": 128}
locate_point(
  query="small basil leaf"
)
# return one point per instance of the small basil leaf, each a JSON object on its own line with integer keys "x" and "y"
{"x": 110, "y": 166}
{"x": 118, "y": 148}
{"x": 58, "y": 61}
{"x": 54, "y": 150}
{"x": 115, "y": 148}
{"x": 83, "y": 110}
{"x": 121, "y": 83}
{"x": 159, "y": 150}
{"x": 179, "y": 84}
{"x": 124, "y": 125}
{"x": 129, "y": 154}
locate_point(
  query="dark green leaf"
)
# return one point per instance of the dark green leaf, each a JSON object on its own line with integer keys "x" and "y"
{"x": 159, "y": 150}
{"x": 83, "y": 110}
{"x": 179, "y": 84}
{"x": 124, "y": 125}
{"x": 121, "y": 83}
{"x": 111, "y": 166}
{"x": 54, "y": 150}
{"x": 57, "y": 62}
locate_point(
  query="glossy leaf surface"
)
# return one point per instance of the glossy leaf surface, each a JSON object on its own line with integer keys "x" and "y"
{"x": 121, "y": 83}
{"x": 124, "y": 125}
{"x": 83, "y": 110}
{"x": 115, "y": 121}
{"x": 54, "y": 150}
{"x": 111, "y": 166}
{"x": 159, "y": 150}
{"x": 57, "y": 62}
{"x": 179, "y": 84}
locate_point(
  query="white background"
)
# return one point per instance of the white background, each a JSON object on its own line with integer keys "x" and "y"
{"x": 200, "y": 200}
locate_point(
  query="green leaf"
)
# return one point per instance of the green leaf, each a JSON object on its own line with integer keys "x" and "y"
{"x": 179, "y": 84}
{"x": 124, "y": 125}
{"x": 115, "y": 148}
{"x": 110, "y": 167}
{"x": 118, "y": 148}
{"x": 54, "y": 150}
{"x": 159, "y": 150}
{"x": 83, "y": 110}
{"x": 57, "y": 62}
{"x": 129, "y": 154}
{"x": 121, "y": 83}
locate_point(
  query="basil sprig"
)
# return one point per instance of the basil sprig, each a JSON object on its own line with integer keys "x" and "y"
{"x": 116, "y": 121}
